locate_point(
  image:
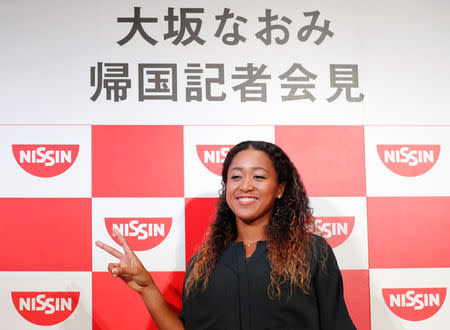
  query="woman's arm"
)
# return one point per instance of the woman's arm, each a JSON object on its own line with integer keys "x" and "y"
{"x": 327, "y": 281}
{"x": 133, "y": 273}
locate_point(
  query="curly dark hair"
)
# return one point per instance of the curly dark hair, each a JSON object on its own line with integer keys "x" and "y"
{"x": 288, "y": 231}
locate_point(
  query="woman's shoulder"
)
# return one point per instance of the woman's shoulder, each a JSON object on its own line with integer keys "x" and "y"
{"x": 318, "y": 244}
{"x": 321, "y": 252}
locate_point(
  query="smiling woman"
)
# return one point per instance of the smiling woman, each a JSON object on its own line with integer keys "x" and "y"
{"x": 252, "y": 187}
{"x": 260, "y": 266}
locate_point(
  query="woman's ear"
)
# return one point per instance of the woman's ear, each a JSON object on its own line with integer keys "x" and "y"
{"x": 280, "y": 191}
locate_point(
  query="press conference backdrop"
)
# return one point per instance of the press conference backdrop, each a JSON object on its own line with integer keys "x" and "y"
{"x": 118, "y": 114}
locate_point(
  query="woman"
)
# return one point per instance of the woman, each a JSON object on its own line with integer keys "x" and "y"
{"x": 260, "y": 266}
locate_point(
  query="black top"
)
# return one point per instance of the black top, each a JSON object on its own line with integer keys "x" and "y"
{"x": 236, "y": 296}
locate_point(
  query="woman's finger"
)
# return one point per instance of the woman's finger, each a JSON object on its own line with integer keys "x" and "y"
{"x": 128, "y": 251}
{"x": 112, "y": 251}
{"x": 129, "y": 270}
{"x": 113, "y": 265}
{"x": 117, "y": 270}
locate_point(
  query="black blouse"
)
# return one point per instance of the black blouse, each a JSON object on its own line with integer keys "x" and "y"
{"x": 236, "y": 296}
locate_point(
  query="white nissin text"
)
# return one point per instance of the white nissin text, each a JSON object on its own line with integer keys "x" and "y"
{"x": 410, "y": 299}
{"x": 412, "y": 157}
{"x": 48, "y": 157}
{"x": 332, "y": 228}
{"x": 142, "y": 231}
{"x": 48, "y": 305}
{"x": 215, "y": 156}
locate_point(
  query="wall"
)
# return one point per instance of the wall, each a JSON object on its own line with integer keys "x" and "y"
{"x": 95, "y": 134}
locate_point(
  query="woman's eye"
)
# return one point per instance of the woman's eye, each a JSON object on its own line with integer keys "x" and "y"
{"x": 234, "y": 177}
{"x": 259, "y": 177}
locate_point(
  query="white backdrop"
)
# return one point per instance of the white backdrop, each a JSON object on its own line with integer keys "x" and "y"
{"x": 400, "y": 97}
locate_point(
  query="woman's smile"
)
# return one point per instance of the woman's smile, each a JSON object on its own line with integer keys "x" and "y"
{"x": 246, "y": 200}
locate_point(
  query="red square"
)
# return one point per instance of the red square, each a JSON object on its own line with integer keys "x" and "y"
{"x": 199, "y": 213}
{"x": 330, "y": 159}
{"x": 137, "y": 161}
{"x": 357, "y": 296}
{"x": 116, "y": 306}
{"x": 45, "y": 234}
{"x": 408, "y": 232}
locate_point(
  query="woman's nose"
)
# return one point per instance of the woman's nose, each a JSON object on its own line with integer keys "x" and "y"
{"x": 247, "y": 184}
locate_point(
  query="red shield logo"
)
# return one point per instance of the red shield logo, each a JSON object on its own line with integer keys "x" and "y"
{"x": 142, "y": 234}
{"x": 212, "y": 156}
{"x": 45, "y": 160}
{"x": 45, "y": 308}
{"x": 414, "y": 304}
{"x": 335, "y": 230}
{"x": 408, "y": 160}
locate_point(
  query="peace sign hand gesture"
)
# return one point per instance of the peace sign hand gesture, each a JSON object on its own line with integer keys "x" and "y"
{"x": 129, "y": 268}
{"x": 133, "y": 273}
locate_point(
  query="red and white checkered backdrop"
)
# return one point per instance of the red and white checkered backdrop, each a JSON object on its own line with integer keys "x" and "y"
{"x": 377, "y": 194}
{"x": 100, "y": 131}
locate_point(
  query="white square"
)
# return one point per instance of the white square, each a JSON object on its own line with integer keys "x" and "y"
{"x": 352, "y": 252}
{"x": 415, "y": 280}
{"x": 18, "y": 175}
{"x": 167, "y": 255}
{"x": 407, "y": 146}
{"x": 80, "y": 317}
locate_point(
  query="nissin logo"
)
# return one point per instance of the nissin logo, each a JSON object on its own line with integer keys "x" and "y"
{"x": 414, "y": 304}
{"x": 409, "y": 160}
{"x": 212, "y": 156}
{"x": 335, "y": 230}
{"x": 45, "y": 160}
{"x": 142, "y": 234}
{"x": 45, "y": 308}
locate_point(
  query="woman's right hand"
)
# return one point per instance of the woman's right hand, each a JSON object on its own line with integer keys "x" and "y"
{"x": 129, "y": 268}
{"x": 133, "y": 273}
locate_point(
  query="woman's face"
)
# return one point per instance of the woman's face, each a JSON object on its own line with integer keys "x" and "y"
{"x": 252, "y": 186}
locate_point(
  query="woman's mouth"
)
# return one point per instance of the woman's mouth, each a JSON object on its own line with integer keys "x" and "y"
{"x": 246, "y": 200}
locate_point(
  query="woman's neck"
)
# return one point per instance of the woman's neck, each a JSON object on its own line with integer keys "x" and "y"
{"x": 250, "y": 233}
